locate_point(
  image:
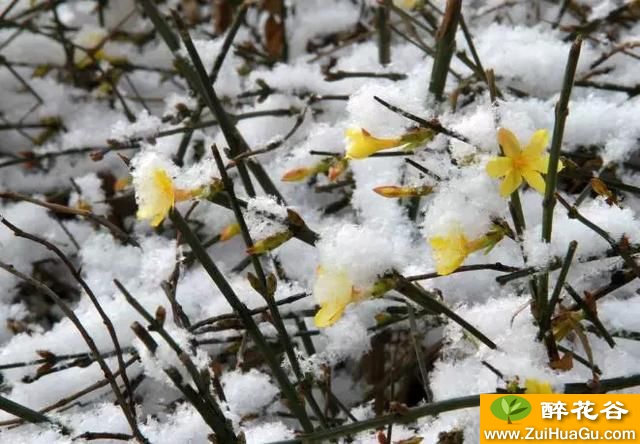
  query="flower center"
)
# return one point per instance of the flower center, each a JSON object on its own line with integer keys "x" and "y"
{"x": 520, "y": 162}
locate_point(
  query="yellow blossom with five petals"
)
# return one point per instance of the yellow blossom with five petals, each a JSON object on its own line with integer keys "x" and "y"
{"x": 518, "y": 164}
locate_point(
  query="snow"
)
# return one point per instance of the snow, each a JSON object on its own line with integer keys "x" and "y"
{"x": 361, "y": 236}
{"x": 242, "y": 401}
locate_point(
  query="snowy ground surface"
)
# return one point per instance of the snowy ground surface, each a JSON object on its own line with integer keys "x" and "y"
{"x": 68, "y": 141}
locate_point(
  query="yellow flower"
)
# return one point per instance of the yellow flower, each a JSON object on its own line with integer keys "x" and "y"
{"x": 362, "y": 144}
{"x": 270, "y": 243}
{"x": 536, "y": 386}
{"x": 297, "y": 174}
{"x": 518, "y": 164}
{"x": 405, "y": 4}
{"x": 156, "y": 196}
{"x": 450, "y": 251}
{"x": 122, "y": 183}
{"x": 92, "y": 44}
{"x": 229, "y": 232}
{"x": 394, "y": 191}
{"x": 333, "y": 290}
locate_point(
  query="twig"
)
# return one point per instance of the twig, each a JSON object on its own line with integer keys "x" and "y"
{"x": 94, "y": 300}
{"x": 217, "y": 420}
{"x": 549, "y": 201}
{"x": 445, "y": 47}
{"x": 57, "y": 208}
{"x": 495, "y": 267}
{"x": 384, "y": 34}
{"x": 426, "y": 300}
{"x": 408, "y": 416}
{"x": 417, "y": 345}
{"x": 623, "y": 252}
{"x": 28, "y": 414}
{"x": 545, "y": 318}
{"x": 244, "y": 314}
{"x": 432, "y": 124}
{"x": 89, "y": 341}
{"x": 590, "y": 314}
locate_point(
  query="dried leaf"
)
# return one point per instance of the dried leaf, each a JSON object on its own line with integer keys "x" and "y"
{"x": 274, "y": 37}
{"x": 398, "y": 408}
{"x": 601, "y": 188}
{"x": 590, "y": 302}
{"x": 191, "y": 11}
{"x": 451, "y": 437}
{"x": 222, "y": 15}
{"x": 273, "y": 6}
{"x": 46, "y": 354}
{"x": 565, "y": 363}
{"x": 44, "y": 369}
{"x": 161, "y": 315}
{"x": 294, "y": 218}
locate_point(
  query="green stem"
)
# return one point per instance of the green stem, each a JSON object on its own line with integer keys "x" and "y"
{"x": 244, "y": 314}
{"x": 445, "y": 47}
{"x": 219, "y": 423}
{"x": 561, "y": 113}
{"x": 425, "y": 300}
{"x": 384, "y": 33}
{"x": 27, "y": 414}
{"x": 411, "y": 415}
{"x": 545, "y": 322}
{"x": 549, "y": 201}
{"x": 273, "y": 307}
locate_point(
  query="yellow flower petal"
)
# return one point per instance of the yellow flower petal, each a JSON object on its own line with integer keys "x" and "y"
{"x": 361, "y": 144}
{"x": 333, "y": 290}
{"x": 508, "y": 142}
{"x": 535, "y": 180}
{"x": 537, "y": 144}
{"x": 449, "y": 252}
{"x": 164, "y": 183}
{"x": 499, "y": 166}
{"x": 328, "y": 315}
{"x": 541, "y": 164}
{"x": 158, "y": 197}
{"x": 510, "y": 183}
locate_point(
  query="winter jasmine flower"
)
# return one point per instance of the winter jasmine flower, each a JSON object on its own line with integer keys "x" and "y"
{"x": 156, "y": 195}
{"x": 451, "y": 250}
{"x": 270, "y": 243}
{"x": 393, "y": 191}
{"x": 333, "y": 290}
{"x": 537, "y": 386}
{"x": 361, "y": 144}
{"x": 229, "y": 232}
{"x": 297, "y": 174}
{"x": 338, "y": 166}
{"x": 406, "y": 4}
{"x": 92, "y": 43}
{"x": 518, "y": 164}
{"x": 302, "y": 173}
